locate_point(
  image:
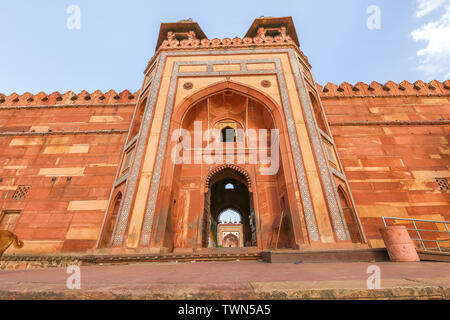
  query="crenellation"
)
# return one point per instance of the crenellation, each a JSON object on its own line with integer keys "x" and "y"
{"x": 390, "y": 88}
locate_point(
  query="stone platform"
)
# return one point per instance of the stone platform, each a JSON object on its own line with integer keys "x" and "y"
{"x": 232, "y": 280}
{"x": 18, "y": 261}
{"x": 21, "y": 262}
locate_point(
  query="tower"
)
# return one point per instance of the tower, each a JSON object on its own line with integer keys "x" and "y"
{"x": 229, "y": 124}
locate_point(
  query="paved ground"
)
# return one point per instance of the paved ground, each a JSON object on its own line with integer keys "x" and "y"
{"x": 232, "y": 280}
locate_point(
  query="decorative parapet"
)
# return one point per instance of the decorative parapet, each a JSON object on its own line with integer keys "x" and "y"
{"x": 396, "y": 123}
{"x": 261, "y": 40}
{"x": 389, "y": 89}
{"x": 193, "y": 42}
{"x": 58, "y": 133}
{"x": 68, "y": 99}
{"x": 225, "y": 43}
{"x": 330, "y": 90}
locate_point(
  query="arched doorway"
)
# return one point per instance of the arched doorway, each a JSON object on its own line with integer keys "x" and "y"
{"x": 230, "y": 241}
{"x": 228, "y": 209}
{"x": 230, "y": 228}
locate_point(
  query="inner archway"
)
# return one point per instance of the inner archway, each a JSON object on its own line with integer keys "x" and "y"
{"x": 229, "y": 211}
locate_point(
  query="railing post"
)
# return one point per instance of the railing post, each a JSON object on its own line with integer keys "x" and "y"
{"x": 439, "y": 247}
{"x": 418, "y": 234}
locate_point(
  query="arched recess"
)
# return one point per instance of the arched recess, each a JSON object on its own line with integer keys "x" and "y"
{"x": 111, "y": 221}
{"x": 137, "y": 120}
{"x": 320, "y": 118}
{"x": 165, "y": 227}
{"x": 349, "y": 216}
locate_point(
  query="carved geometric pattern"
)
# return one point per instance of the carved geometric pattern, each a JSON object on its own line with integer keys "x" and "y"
{"x": 335, "y": 211}
{"x": 149, "y": 213}
{"x": 21, "y": 192}
{"x": 310, "y": 218}
{"x": 443, "y": 184}
{"x": 122, "y": 220}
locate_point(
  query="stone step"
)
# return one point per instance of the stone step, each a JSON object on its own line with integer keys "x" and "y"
{"x": 325, "y": 256}
{"x": 434, "y": 256}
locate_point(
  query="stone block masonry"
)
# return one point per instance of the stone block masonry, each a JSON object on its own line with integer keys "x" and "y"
{"x": 392, "y": 144}
{"x": 65, "y": 149}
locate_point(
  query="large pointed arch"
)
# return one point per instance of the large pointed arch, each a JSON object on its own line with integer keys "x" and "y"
{"x": 290, "y": 176}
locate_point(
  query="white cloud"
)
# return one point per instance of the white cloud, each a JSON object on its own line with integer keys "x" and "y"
{"x": 434, "y": 58}
{"x": 424, "y": 7}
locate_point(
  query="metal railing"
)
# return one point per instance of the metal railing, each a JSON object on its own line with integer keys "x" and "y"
{"x": 423, "y": 239}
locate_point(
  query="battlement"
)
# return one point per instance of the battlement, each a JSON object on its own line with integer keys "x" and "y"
{"x": 69, "y": 98}
{"x": 389, "y": 89}
{"x": 330, "y": 90}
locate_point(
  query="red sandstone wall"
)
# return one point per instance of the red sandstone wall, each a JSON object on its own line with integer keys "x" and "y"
{"x": 80, "y": 153}
{"x": 390, "y": 138}
{"x": 392, "y": 148}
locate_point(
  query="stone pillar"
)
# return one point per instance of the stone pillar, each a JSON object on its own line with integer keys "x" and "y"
{"x": 399, "y": 244}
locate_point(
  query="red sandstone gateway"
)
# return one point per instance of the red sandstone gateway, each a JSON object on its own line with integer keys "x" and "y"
{"x": 93, "y": 172}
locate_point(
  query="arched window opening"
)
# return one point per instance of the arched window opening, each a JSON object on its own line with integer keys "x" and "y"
{"x": 229, "y": 186}
{"x": 228, "y": 134}
{"x": 318, "y": 113}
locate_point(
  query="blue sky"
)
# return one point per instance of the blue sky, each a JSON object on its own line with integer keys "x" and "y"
{"x": 117, "y": 38}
